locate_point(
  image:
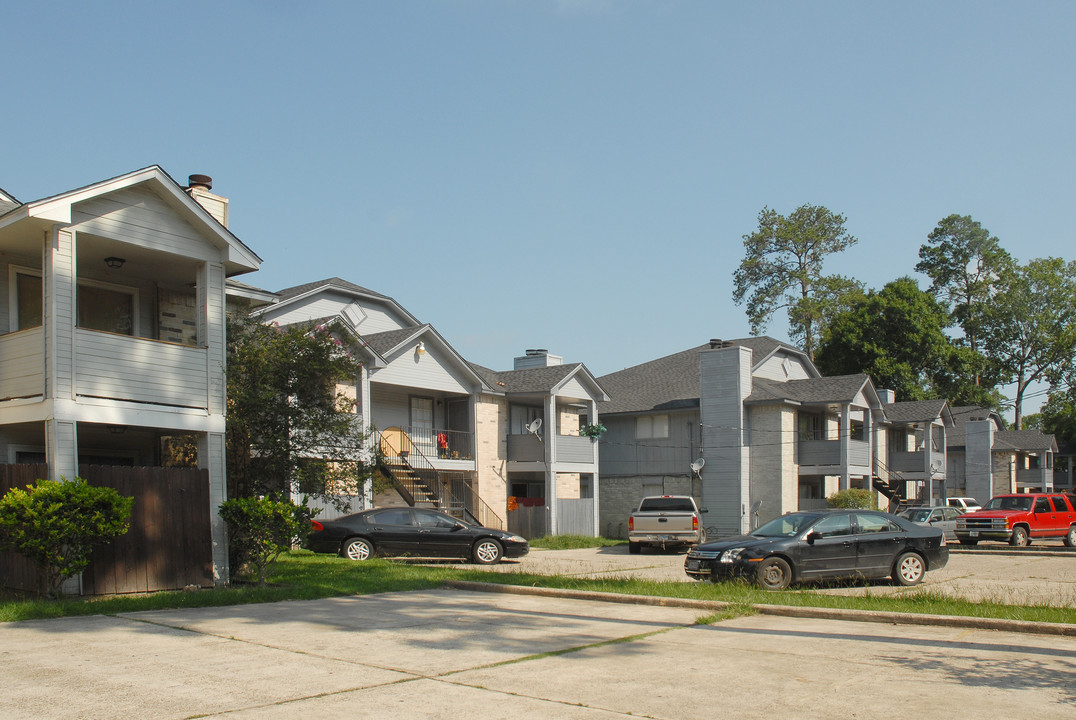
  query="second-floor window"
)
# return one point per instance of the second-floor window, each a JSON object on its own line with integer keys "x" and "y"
{"x": 100, "y": 307}
{"x": 651, "y": 427}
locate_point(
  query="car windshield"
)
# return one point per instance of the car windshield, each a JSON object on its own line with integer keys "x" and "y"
{"x": 916, "y": 515}
{"x": 785, "y": 526}
{"x": 1009, "y": 503}
{"x": 670, "y": 504}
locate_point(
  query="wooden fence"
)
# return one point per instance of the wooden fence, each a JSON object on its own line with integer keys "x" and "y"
{"x": 16, "y": 571}
{"x": 168, "y": 546}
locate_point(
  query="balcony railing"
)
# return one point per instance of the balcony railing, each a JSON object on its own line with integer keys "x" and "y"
{"x": 828, "y": 452}
{"x": 1035, "y": 477}
{"x": 442, "y": 444}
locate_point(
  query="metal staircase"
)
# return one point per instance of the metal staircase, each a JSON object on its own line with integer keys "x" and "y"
{"x": 420, "y": 484}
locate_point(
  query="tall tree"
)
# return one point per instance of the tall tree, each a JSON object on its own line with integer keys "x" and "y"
{"x": 895, "y": 335}
{"x": 782, "y": 268}
{"x": 963, "y": 261}
{"x": 1029, "y": 327}
{"x": 289, "y": 424}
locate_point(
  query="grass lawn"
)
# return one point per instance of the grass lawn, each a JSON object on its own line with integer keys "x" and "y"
{"x": 302, "y": 575}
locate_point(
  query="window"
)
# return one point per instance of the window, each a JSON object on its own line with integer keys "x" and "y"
{"x": 1042, "y": 505}
{"x": 651, "y": 426}
{"x": 107, "y": 309}
{"x": 27, "y": 300}
{"x": 390, "y": 516}
{"x": 428, "y": 518}
{"x": 874, "y": 523}
{"x": 833, "y": 525}
{"x": 809, "y": 427}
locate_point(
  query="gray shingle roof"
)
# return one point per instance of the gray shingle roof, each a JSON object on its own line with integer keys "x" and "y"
{"x": 914, "y": 411}
{"x": 956, "y": 436}
{"x": 837, "y": 389}
{"x": 334, "y": 282}
{"x": 382, "y": 342}
{"x": 529, "y": 380}
{"x": 1026, "y": 440}
{"x": 664, "y": 384}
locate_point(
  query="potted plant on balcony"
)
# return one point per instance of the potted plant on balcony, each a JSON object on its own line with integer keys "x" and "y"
{"x": 591, "y": 431}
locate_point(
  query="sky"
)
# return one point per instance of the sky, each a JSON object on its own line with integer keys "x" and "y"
{"x": 575, "y": 175}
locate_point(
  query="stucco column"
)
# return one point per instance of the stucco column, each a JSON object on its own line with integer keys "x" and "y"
{"x": 211, "y": 457}
{"x": 843, "y": 435}
{"x": 550, "y": 450}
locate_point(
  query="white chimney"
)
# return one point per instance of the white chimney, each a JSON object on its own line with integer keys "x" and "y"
{"x": 216, "y": 205}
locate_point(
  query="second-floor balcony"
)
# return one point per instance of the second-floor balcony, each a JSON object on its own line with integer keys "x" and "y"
{"x": 917, "y": 464}
{"x": 439, "y": 443}
{"x": 110, "y": 366}
{"x": 827, "y": 453}
{"x": 569, "y": 448}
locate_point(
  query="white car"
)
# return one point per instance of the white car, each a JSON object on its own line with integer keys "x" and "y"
{"x": 964, "y": 504}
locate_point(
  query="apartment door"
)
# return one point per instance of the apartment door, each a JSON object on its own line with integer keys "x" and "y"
{"x": 422, "y": 425}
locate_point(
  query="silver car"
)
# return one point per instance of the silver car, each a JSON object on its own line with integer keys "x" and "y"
{"x": 943, "y": 518}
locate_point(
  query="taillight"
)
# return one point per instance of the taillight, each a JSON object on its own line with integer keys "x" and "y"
{"x": 631, "y": 523}
{"x": 694, "y": 522}
{"x": 316, "y": 526}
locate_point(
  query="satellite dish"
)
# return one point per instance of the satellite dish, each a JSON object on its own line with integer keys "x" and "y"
{"x": 534, "y": 425}
{"x": 697, "y": 465}
{"x": 755, "y": 506}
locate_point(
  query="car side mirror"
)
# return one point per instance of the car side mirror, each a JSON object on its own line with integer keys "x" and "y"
{"x": 703, "y": 510}
{"x": 812, "y": 536}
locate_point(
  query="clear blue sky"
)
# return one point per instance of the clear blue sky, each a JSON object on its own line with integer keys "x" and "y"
{"x": 572, "y": 175}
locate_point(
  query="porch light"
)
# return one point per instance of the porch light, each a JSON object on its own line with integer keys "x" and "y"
{"x": 114, "y": 262}
{"x": 421, "y": 349}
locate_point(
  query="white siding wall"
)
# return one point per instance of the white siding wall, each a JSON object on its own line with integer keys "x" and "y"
{"x": 126, "y": 368}
{"x": 22, "y": 360}
{"x": 574, "y": 389}
{"x": 369, "y": 317}
{"x": 419, "y": 371}
{"x": 138, "y": 216}
{"x": 774, "y": 368}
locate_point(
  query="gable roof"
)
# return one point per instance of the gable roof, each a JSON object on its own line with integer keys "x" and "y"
{"x": 540, "y": 380}
{"x": 1024, "y": 440}
{"x": 956, "y": 436}
{"x": 839, "y": 389}
{"x": 390, "y": 341}
{"x": 918, "y": 411}
{"x": 672, "y": 382}
{"x": 297, "y": 292}
{"x": 57, "y": 209}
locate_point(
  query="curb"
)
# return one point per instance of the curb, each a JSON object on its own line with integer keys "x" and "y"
{"x": 889, "y": 618}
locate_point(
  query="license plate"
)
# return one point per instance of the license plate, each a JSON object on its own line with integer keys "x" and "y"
{"x": 974, "y": 533}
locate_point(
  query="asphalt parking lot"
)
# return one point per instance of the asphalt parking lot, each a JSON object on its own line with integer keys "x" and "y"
{"x": 453, "y": 654}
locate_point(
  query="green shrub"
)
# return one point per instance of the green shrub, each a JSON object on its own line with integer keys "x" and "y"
{"x": 854, "y": 498}
{"x": 57, "y": 525}
{"x": 260, "y": 529}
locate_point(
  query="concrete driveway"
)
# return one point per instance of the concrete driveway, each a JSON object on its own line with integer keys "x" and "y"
{"x": 453, "y": 654}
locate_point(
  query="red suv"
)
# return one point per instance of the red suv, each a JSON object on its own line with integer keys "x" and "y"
{"x": 1019, "y": 518}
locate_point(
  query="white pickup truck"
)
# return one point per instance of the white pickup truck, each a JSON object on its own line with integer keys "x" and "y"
{"x": 665, "y": 521}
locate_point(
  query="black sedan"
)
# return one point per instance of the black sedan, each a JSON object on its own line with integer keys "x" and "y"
{"x": 823, "y": 545}
{"x": 413, "y": 531}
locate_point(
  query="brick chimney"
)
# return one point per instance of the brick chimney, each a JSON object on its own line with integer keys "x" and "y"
{"x": 198, "y": 187}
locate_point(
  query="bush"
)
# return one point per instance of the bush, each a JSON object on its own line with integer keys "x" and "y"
{"x": 260, "y": 529}
{"x": 57, "y": 525}
{"x": 853, "y": 498}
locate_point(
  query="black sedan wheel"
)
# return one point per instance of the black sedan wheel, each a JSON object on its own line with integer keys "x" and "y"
{"x": 909, "y": 569}
{"x": 773, "y": 574}
{"x": 357, "y": 549}
{"x": 487, "y": 551}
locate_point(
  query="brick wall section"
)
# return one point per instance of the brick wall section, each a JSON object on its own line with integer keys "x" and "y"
{"x": 491, "y": 453}
{"x": 177, "y": 317}
{"x": 568, "y": 486}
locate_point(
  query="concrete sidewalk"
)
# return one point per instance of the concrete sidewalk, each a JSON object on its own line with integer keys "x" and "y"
{"x": 452, "y": 654}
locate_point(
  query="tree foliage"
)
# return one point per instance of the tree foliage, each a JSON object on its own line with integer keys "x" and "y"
{"x": 964, "y": 263}
{"x": 895, "y": 335}
{"x": 783, "y": 268}
{"x": 1029, "y": 327}
{"x": 260, "y": 529}
{"x": 57, "y": 525}
{"x": 853, "y": 499}
{"x": 289, "y": 425}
